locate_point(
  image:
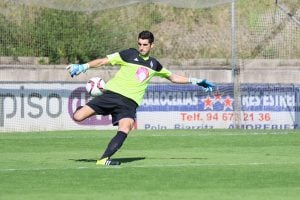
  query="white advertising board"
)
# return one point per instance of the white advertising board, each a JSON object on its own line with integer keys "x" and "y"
{"x": 45, "y": 107}
{"x": 50, "y": 106}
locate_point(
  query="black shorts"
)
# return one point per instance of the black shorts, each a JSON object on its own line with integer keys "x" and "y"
{"x": 118, "y": 106}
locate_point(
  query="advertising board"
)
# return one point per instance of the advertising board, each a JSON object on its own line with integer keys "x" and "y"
{"x": 50, "y": 106}
{"x": 186, "y": 107}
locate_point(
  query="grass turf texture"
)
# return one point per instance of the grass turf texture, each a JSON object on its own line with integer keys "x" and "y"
{"x": 203, "y": 164}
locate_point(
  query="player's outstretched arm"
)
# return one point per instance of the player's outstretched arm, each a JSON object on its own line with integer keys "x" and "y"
{"x": 76, "y": 69}
{"x": 207, "y": 85}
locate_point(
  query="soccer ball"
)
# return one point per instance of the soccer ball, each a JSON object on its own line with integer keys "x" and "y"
{"x": 95, "y": 86}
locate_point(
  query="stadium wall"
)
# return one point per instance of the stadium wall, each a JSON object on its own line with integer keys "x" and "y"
{"x": 254, "y": 71}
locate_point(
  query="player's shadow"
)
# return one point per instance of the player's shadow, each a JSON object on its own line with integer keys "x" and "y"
{"x": 179, "y": 158}
{"x": 128, "y": 160}
{"x": 122, "y": 160}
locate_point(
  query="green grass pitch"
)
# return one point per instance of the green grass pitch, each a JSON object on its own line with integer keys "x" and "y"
{"x": 158, "y": 165}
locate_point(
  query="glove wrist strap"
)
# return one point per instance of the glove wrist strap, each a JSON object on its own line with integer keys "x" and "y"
{"x": 194, "y": 81}
{"x": 86, "y": 66}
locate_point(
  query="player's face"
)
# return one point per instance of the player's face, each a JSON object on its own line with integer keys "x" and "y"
{"x": 144, "y": 46}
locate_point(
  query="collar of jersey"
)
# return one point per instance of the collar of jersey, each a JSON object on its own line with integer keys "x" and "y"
{"x": 144, "y": 57}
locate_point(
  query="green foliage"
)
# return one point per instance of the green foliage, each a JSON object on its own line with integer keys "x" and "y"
{"x": 63, "y": 36}
{"x": 70, "y": 36}
{"x": 8, "y": 38}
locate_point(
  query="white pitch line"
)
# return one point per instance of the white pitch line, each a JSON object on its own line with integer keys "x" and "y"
{"x": 48, "y": 169}
{"x": 210, "y": 134}
{"x": 211, "y": 164}
{"x": 149, "y": 166}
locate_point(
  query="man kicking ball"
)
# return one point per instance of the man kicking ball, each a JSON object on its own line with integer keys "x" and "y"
{"x": 124, "y": 92}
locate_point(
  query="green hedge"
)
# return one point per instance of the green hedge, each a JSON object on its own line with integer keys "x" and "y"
{"x": 62, "y": 36}
{"x": 68, "y": 36}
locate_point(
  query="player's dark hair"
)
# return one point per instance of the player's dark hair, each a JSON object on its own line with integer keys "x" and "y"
{"x": 146, "y": 35}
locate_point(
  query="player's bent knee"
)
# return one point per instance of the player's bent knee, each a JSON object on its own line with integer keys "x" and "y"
{"x": 82, "y": 113}
{"x": 77, "y": 117}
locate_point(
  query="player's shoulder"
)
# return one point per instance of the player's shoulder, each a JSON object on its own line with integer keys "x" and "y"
{"x": 128, "y": 54}
{"x": 131, "y": 55}
{"x": 155, "y": 64}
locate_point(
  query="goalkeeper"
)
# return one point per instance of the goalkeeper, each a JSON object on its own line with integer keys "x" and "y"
{"x": 125, "y": 91}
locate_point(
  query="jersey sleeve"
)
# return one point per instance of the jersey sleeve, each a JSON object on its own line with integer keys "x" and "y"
{"x": 122, "y": 57}
{"x": 115, "y": 58}
{"x": 164, "y": 73}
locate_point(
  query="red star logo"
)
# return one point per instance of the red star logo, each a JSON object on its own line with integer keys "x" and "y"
{"x": 228, "y": 103}
{"x": 218, "y": 97}
{"x": 208, "y": 103}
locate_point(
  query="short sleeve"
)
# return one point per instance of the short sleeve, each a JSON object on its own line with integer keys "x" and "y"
{"x": 115, "y": 58}
{"x": 164, "y": 73}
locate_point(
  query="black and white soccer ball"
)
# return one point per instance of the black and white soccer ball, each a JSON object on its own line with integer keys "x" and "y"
{"x": 95, "y": 86}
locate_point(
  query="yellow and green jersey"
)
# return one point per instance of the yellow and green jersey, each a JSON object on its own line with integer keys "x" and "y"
{"x": 134, "y": 75}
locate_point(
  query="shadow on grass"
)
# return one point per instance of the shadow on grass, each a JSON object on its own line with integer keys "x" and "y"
{"x": 179, "y": 158}
{"x": 133, "y": 159}
{"x": 122, "y": 160}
